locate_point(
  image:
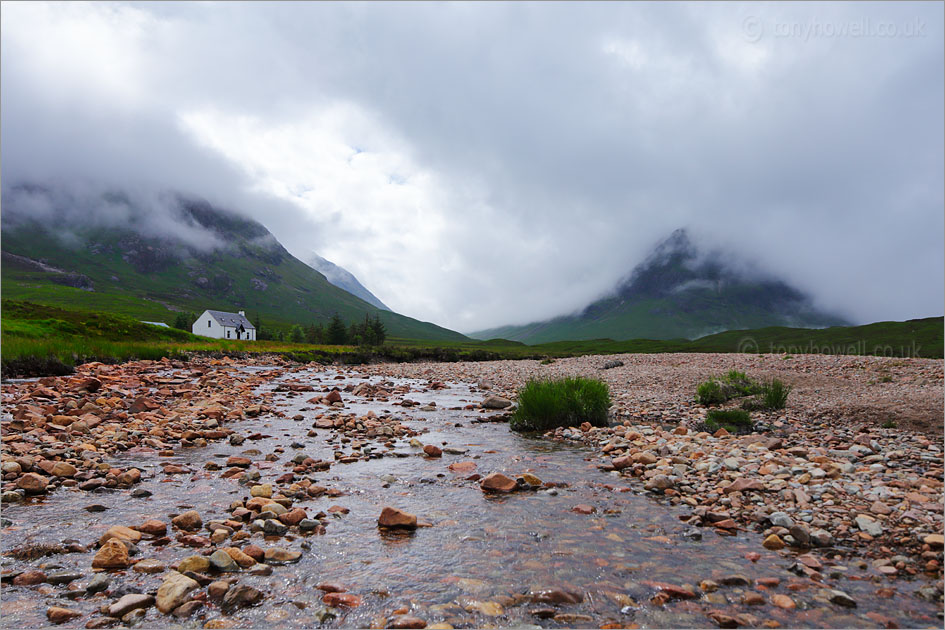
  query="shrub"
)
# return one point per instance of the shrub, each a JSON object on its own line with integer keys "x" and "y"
{"x": 732, "y": 420}
{"x": 544, "y": 405}
{"x": 710, "y": 393}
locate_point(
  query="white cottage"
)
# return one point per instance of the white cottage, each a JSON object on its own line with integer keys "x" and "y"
{"x": 223, "y": 325}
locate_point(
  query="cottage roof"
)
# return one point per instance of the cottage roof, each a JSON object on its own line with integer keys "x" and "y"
{"x": 231, "y": 319}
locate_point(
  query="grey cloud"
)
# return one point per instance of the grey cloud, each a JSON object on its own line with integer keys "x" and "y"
{"x": 568, "y": 139}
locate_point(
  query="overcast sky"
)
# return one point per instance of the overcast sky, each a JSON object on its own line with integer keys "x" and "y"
{"x": 485, "y": 164}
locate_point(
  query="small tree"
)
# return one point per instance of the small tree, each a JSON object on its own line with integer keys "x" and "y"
{"x": 336, "y": 334}
{"x": 378, "y": 330}
{"x": 296, "y": 335}
{"x": 182, "y": 322}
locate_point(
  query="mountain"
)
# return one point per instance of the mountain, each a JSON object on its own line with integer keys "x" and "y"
{"x": 152, "y": 258}
{"x": 679, "y": 292}
{"x": 343, "y": 279}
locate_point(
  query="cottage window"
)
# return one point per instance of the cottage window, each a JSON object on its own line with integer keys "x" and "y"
{"x": 228, "y": 334}
{"x": 209, "y": 323}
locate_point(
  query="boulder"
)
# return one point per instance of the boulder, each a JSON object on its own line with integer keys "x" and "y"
{"x": 188, "y": 521}
{"x": 56, "y": 614}
{"x": 392, "y": 517}
{"x": 32, "y": 483}
{"x": 120, "y": 532}
{"x": 112, "y": 555}
{"x": 174, "y": 591}
{"x": 497, "y": 482}
{"x": 128, "y": 603}
{"x": 496, "y": 402}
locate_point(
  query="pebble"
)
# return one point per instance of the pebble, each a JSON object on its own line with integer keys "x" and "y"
{"x": 395, "y": 518}
{"x": 57, "y": 615}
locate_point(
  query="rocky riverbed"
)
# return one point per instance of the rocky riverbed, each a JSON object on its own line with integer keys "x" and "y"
{"x": 220, "y": 494}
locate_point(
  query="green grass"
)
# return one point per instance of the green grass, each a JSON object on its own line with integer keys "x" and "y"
{"x": 544, "y": 405}
{"x": 721, "y": 389}
{"x": 732, "y": 420}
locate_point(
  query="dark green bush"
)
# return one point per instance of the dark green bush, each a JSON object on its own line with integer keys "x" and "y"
{"x": 721, "y": 389}
{"x": 544, "y": 405}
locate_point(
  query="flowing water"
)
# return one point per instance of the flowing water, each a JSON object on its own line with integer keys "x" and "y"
{"x": 480, "y": 551}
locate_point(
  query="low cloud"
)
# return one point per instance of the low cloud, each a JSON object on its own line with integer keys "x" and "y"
{"x": 485, "y": 164}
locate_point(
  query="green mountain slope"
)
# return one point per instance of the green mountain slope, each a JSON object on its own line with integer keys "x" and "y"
{"x": 677, "y": 292}
{"x": 222, "y": 261}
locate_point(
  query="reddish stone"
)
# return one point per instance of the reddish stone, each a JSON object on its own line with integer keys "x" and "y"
{"x": 29, "y": 578}
{"x": 583, "y": 508}
{"x": 432, "y": 451}
{"x": 254, "y": 552}
{"x": 392, "y": 517}
{"x": 293, "y": 516}
{"x": 497, "y": 482}
{"x": 671, "y": 589}
{"x": 342, "y": 599}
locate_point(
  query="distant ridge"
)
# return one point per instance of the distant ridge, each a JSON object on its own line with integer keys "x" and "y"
{"x": 679, "y": 292}
{"x": 344, "y": 279}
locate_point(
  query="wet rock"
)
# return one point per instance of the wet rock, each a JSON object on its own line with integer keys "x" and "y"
{"x": 307, "y": 525}
{"x": 260, "y": 569}
{"x": 241, "y": 595}
{"x": 216, "y": 590}
{"x": 98, "y": 584}
{"x": 343, "y": 600}
{"x": 121, "y": 533}
{"x": 263, "y": 490}
{"x": 152, "y": 527}
{"x": 188, "y": 521}
{"x": 841, "y": 599}
{"x": 869, "y": 525}
{"x": 149, "y": 565}
{"x": 187, "y": 609}
{"x": 783, "y": 601}
{"x": 130, "y": 602}
{"x": 781, "y": 519}
{"x": 773, "y": 542}
{"x": 29, "y": 578}
{"x": 273, "y": 527}
{"x": 555, "y": 596}
{"x": 278, "y": 555}
{"x": 222, "y": 561}
{"x": 583, "y": 508}
{"x": 242, "y": 559}
{"x": 497, "y": 482}
{"x": 101, "y": 622}
{"x": 57, "y": 615}
{"x": 174, "y": 591}
{"x": 63, "y": 577}
{"x": 392, "y": 517}
{"x": 129, "y": 477}
{"x": 495, "y": 402}
{"x": 63, "y": 469}
{"x": 255, "y": 552}
{"x": 821, "y": 538}
{"x": 112, "y": 555}
{"x": 432, "y": 451}
{"x": 197, "y": 564}
{"x": 293, "y": 516}
{"x": 32, "y": 483}
{"x": 406, "y": 621}
{"x": 658, "y": 483}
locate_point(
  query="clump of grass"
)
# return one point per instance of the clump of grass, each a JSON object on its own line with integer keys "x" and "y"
{"x": 889, "y": 424}
{"x": 885, "y": 378}
{"x": 546, "y": 361}
{"x": 544, "y": 405}
{"x": 721, "y": 389}
{"x": 732, "y": 420}
{"x": 774, "y": 394}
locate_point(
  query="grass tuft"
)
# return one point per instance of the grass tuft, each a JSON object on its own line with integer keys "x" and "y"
{"x": 544, "y": 405}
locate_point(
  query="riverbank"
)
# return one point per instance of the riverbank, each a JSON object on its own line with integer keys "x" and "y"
{"x": 285, "y": 470}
